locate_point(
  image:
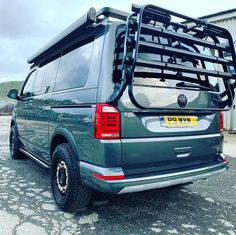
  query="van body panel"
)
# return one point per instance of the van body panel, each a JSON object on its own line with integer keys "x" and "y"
{"x": 74, "y": 111}
{"x": 70, "y": 109}
{"x": 106, "y": 84}
{"x": 148, "y": 146}
{"x": 107, "y": 153}
{"x": 145, "y": 155}
{"x": 37, "y": 124}
{"x": 138, "y": 124}
{"x": 19, "y": 112}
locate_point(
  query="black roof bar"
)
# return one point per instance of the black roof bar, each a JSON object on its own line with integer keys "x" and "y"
{"x": 156, "y": 9}
{"x": 111, "y": 12}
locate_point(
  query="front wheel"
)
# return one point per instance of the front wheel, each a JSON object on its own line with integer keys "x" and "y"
{"x": 14, "y": 144}
{"x": 67, "y": 190}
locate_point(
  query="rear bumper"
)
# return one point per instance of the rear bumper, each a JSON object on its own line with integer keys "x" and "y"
{"x": 137, "y": 184}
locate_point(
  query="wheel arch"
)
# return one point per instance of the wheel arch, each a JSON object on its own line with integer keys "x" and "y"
{"x": 60, "y": 136}
{"x": 14, "y": 123}
{"x": 13, "y": 120}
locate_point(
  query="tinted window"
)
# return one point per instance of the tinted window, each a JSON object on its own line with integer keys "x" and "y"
{"x": 45, "y": 78}
{"x": 28, "y": 87}
{"x": 74, "y": 67}
{"x": 38, "y": 81}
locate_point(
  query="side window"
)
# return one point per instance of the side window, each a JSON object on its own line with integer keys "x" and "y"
{"x": 28, "y": 86}
{"x": 49, "y": 76}
{"x": 74, "y": 68}
{"x": 45, "y": 78}
{"x": 37, "y": 90}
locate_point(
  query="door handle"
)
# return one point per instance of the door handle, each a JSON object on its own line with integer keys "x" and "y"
{"x": 182, "y": 152}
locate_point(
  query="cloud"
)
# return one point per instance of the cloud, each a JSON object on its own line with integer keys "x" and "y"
{"x": 25, "y": 26}
{"x": 18, "y": 20}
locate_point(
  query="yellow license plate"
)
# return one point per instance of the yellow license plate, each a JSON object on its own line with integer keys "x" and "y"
{"x": 178, "y": 121}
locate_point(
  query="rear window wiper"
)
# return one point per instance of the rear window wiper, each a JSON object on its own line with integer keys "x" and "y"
{"x": 190, "y": 85}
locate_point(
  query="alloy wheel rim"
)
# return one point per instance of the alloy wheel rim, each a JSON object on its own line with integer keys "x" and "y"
{"x": 62, "y": 177}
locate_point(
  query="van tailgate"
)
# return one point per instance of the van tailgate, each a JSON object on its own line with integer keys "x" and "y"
{"x": 148, "y": 145}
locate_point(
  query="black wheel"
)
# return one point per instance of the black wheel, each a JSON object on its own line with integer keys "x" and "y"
{"x": 67, "y": 190}
{"x": 14, "y": 144}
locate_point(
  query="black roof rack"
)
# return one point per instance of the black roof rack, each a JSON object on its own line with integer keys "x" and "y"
{"x": 78, "y": 26}
{"x": 111, "y": 12}
{"x": 156, "y": 22}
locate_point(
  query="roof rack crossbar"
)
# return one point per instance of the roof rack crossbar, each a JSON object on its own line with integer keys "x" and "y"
{"x": 111, "y": 12}
{"x": 181, "y": 68}
{"x": 167, "y": 50}
{"x": 137, "y": 9}
{"x": 147, "y": 47}
{"x": 147, "y": 29}
{"x": 161, "y": 75}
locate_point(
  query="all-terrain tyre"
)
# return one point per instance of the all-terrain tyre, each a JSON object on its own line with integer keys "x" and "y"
{"x": 68, "y": 192}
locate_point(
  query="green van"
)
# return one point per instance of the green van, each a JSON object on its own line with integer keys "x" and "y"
{"x": 125, "y": 102}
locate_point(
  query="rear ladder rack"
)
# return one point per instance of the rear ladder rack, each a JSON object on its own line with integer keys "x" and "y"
{"x": 156, "y": 22}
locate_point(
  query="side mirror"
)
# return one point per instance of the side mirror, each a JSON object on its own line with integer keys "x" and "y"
{"x": 13, "y": 94}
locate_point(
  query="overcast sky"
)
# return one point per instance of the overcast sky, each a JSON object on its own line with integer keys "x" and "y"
{"x": 25, "y": 26}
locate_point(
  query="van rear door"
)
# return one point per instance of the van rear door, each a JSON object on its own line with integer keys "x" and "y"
{"x": 172, "y": 81}
{"x": 159, "y": 140}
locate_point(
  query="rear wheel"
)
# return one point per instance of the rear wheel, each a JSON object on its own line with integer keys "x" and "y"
{"x": 67, "y": 190}
{"x": 14, "y": 144}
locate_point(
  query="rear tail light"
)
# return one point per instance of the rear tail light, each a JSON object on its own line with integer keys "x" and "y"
{"x": 225, "y": 161}
{"x": 221, "y": 122}
{"x": 107, "y": 122}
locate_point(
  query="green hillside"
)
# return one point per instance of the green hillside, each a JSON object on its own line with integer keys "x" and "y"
{"x": 6, "y": 86}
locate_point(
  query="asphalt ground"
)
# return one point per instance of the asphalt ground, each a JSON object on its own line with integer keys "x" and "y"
{"x": 26, "y": 204}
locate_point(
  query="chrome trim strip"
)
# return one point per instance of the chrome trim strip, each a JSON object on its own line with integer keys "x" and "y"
{"x": 157, "y": 177}
{"x": 171, "y": 182}
{"x": 116, "y": 141}
{"x": 158, "y": 139}
{"x": 34, "y": 158}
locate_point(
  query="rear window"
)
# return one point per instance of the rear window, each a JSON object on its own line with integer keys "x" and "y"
{"x": 160, "y": 88}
